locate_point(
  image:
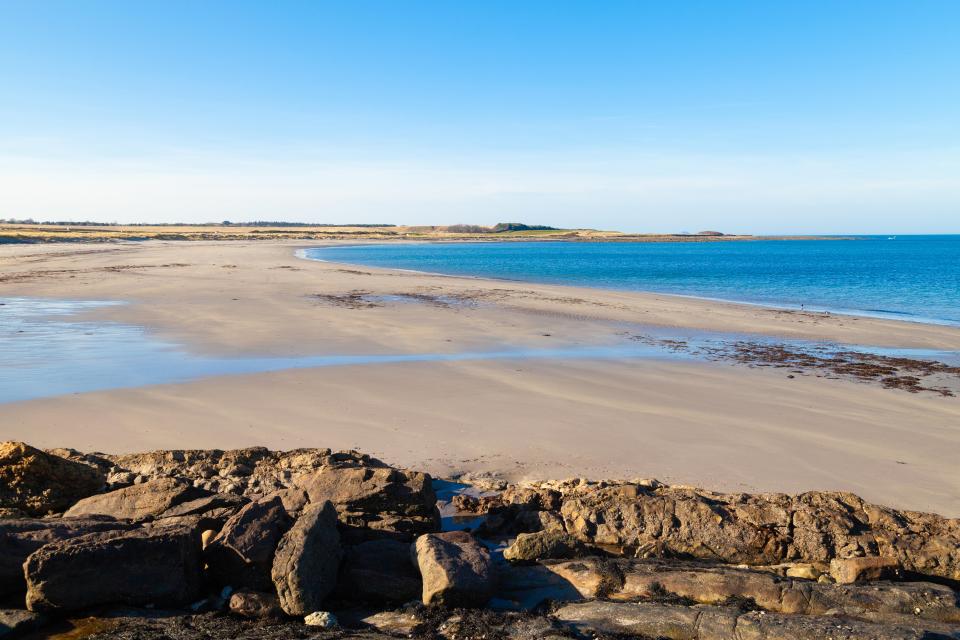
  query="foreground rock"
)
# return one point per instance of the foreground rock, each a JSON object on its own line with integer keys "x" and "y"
{"x": 159, "y": 566}
{"x": 36, "y": 483}
{"x": 307, "y": 560}
{"x": 138, "y": 501}
{"x": 21, "y": 537}
{"x": 673, "y": 622}
{"x": 455, "y": 568}
{"x": 241, "y": 555}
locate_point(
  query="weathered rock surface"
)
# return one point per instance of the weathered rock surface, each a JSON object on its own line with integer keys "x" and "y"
{"x": 379, "y": 571}
{"x": 159, "y": 566}
{"x": 456, "y": 569}
{"x": 20, "y": 538}
{"x": 674, "y": 622}
{"x": 255, "y": 604}
{"x": 215, "y": 504}
{"x": 307, "y": 560}
{"x": 762, "y": 529}
{"x": 36, "y": 483}
{"x": 376, "y": 500}
{"x": 710, "y": 584}
{"x": 241, "y": 554}
{"x": 137, "y": 502}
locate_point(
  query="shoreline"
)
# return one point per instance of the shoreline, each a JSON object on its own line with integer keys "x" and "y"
{"x": 856, "y": 313}
{"x": 708, "y": 424}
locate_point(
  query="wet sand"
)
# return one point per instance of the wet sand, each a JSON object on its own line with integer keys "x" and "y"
{"x": 711, "y": 424}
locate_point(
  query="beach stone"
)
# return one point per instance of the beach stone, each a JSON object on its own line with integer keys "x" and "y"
{"x": 241, "y": 554}
{"x": 160, "y": 567}
{"x": 139, "y": 501}
{"x": 677, "y": 622}
{"x": 19, "y": 538}
{"x": 36, "y": 483}
{"x": 307, "y": 560}
{"x": 803, "y": 571}
{"x": 544, "y": 544}
{"x": 380, "y": 571}
{"x": 323, "y": 619}
{"x": 376, "y": 502}
{"x": 255, "y": 604}
{"x": 456, "y": 569}
{"x": 850, "y": 570}
{"x": 14, "y": 622}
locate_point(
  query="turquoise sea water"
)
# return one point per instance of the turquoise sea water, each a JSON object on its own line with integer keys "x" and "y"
{"x": 907, "y": 277}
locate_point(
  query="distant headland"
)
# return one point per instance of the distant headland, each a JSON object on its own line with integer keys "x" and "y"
{"x": 29, "y": 231}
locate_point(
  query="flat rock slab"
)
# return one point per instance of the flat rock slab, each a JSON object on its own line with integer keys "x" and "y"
{"x": 307, "y": 560}
{"x": 159, "y": 566}
{"x": 677, "y": 622}
{"x": 456, "y": 569}
{"x": 139, "y": 501}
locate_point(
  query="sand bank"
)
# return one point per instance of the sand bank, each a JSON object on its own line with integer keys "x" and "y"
{"x": 713, "y": 425}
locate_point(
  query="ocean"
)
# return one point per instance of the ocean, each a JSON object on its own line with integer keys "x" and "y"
{"x": 913, "y": 278}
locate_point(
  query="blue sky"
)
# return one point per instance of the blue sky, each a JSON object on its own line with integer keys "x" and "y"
{"x": 764, "y": 117}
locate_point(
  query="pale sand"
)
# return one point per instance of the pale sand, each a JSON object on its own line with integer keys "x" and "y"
{"x": 713, "y": 425}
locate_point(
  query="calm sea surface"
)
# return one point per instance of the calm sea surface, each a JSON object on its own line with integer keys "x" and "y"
{"x": 908, "y": 277}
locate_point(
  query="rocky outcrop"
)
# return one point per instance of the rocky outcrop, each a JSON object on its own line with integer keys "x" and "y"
{"x": 137, "y": 502}
{"x": 36, "y": 483}
{"x": 159, "y": 566}
{"x": 764, "y": 529}
{"x": 374, "y": 502}
{"x": 380, "y": 571}
{"x": 344, "y": 536}
{"x": 19, "y": 538}
{"x": 241, "y": 555}
{"x": 307, "y": 560}
{"x": 455, "y": 568}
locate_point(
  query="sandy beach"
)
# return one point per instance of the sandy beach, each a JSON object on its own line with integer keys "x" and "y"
{"x": 711, "y": 424}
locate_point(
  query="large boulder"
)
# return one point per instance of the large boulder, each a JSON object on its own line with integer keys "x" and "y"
{"x": 380, "y": 571}
{"x": 160, "y": 566}
{"x": 241, "y": 554}
{"x": 456, "y": 569}
{"x": 139, "y": 501}
{"x": 20, "y": 538}
{"x": 307, "y": 560}
{"x": 376, "y": 501}
{"x": 37, "y": 483}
